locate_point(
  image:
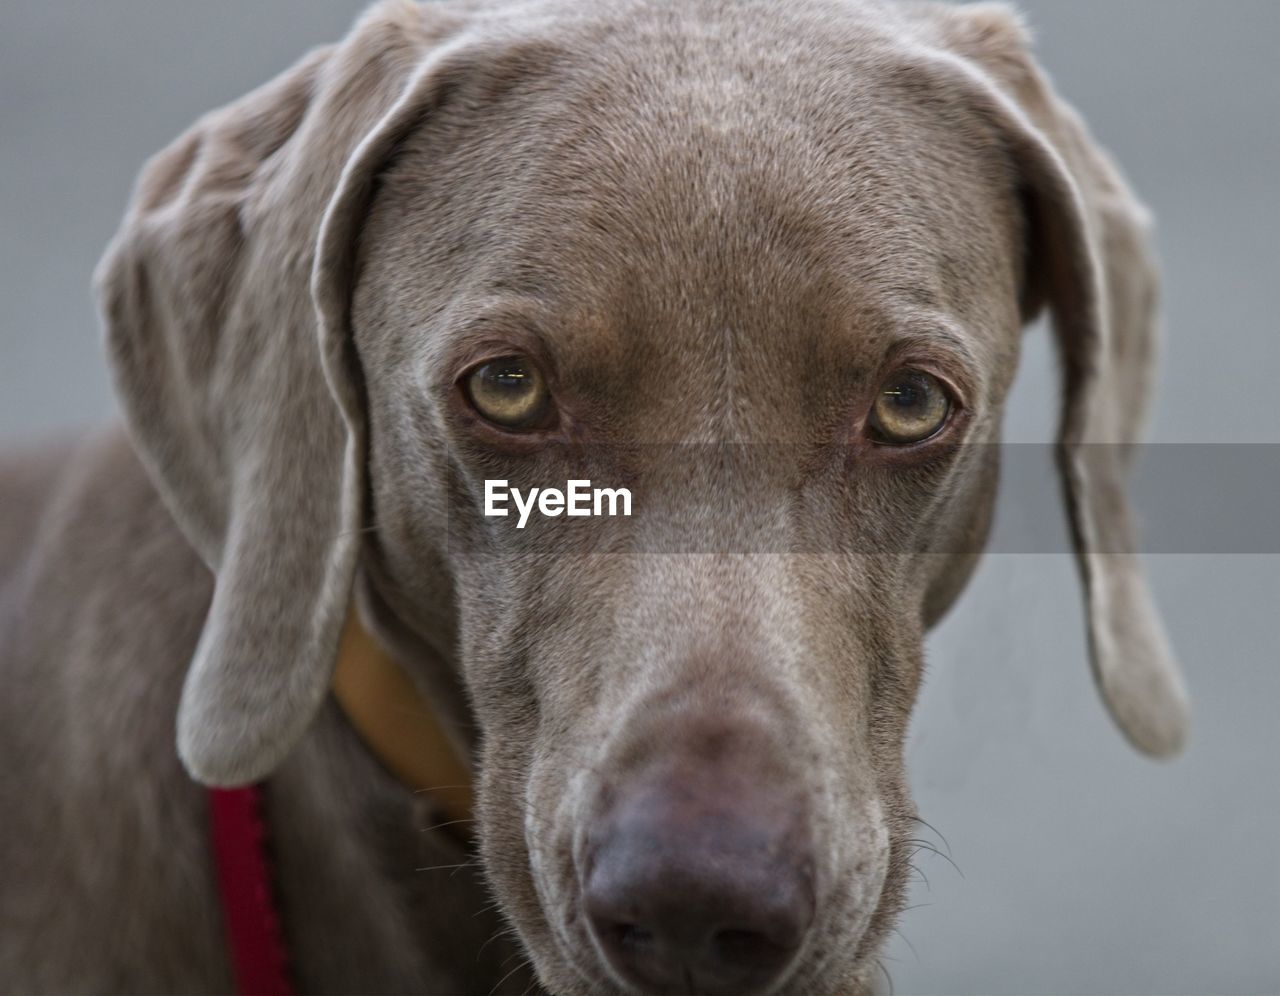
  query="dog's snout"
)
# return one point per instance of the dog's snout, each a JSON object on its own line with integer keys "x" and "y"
{"x": 700, "y": 885}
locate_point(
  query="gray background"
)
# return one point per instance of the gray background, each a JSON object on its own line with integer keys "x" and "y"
{"x": 1085, "y": 868}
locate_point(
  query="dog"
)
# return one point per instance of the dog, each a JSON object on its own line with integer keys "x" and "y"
{"x": 480, "y": 241}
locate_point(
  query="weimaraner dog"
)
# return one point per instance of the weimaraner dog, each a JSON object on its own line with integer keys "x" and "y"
{"x": 483, "y": 241}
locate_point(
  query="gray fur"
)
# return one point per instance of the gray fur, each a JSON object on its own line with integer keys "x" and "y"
{"x": 722, "y": 217}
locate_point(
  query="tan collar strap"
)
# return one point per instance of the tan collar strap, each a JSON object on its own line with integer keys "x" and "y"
{"x": 398, "y": 725}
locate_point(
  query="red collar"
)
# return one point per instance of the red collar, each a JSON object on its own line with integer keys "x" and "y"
{"x": 259, "y": 958}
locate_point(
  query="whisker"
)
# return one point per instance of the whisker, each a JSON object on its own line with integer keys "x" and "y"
{"x": 942, "y": 838}
{"x": 517, "y": 953}
{"x": 911, "y": 947}
{"x": 925, "y": 878}
{"x": 924, "y": 845}
{"x": 526, "y": 963}
{"x": 455, "y": 867}
{"x": 437, "y": 788}
{"x": 885, "y": 972}
{"x": 446, "y": 823}
{"x": 492, "y": 937}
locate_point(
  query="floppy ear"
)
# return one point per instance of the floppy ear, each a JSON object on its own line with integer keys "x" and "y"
{"x": 242, "y": 391}
{"x": 1089, "y": 260}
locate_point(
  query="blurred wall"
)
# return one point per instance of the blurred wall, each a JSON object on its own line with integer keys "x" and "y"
{"x": 1085, "y": 868}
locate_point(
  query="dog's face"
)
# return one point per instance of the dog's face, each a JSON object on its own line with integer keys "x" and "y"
{"x": 717, "y": 294}
{"x": 765, "y": 269}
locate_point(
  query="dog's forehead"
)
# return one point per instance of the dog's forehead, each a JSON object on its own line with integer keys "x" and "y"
{"x": 721, "y": 184}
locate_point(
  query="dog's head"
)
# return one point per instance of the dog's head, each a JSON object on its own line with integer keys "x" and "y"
{"x": 764, "y": 264}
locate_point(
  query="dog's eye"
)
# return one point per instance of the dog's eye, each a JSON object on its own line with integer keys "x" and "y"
{"x": 509, "y": 392}
{"x": 911, "y": 406}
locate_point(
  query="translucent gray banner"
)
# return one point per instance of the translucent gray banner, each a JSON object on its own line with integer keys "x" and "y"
{"x": 777, "y": 498}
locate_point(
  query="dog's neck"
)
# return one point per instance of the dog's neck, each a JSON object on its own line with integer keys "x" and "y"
{"x": 402, "y": 731}
{"x": 398, "y": 725}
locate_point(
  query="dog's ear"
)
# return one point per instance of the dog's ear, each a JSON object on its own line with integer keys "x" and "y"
{"x": 241, "y": 387}
{"x": 1089, "y": 261}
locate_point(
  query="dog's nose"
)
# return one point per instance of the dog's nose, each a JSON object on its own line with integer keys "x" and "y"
{"x": 697, "y": 887}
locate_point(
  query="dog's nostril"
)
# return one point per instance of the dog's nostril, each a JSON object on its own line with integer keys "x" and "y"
{"x": 632, "y": 938}
{"x": 680, "y": 938}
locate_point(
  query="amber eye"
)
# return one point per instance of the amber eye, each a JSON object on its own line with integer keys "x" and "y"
{"x": 910, "y": 406}
{"x": 509, "y": 392}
